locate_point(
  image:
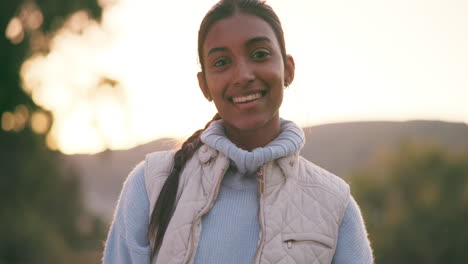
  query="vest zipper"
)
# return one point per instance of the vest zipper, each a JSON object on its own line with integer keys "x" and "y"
{"x": 206, "y": 210}
{"x": 261, "y": 187}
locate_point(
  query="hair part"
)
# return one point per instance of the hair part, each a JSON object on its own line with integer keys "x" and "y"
{"x": 165, "y": 204}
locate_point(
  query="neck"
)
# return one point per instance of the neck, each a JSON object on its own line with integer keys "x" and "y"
{"x": 250, "y": 139}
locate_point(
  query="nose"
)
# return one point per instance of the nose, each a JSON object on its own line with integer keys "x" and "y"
{"x": 243, "y": 73}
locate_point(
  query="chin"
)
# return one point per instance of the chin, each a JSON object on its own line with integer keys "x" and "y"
{"x": 251, "y": 124}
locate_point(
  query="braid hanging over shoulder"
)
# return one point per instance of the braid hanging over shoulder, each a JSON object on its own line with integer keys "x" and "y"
{"x": 162, "y": 211}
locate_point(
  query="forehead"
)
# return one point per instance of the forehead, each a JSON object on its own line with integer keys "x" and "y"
{"x": 236, "y": 31}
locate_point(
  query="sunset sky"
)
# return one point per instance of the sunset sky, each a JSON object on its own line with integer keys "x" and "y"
{"x": 131, "y": 78}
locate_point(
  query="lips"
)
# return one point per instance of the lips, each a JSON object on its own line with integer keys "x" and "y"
{"x": 247, "y": 98}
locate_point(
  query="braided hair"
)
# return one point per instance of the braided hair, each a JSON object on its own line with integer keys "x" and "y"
{"x": 162, "y": 211}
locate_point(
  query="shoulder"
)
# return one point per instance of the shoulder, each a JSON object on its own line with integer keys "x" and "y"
{"x": 135, "y": 180}
{"x": 157, "y": 166}
{"x": 160, "y": 161}
{"x": 313, "y": 175}
{"x": 133, "y": 199}
{"x": 128, "y": 233}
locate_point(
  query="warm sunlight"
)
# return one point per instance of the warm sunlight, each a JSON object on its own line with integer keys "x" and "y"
{"x": 131, "y": 78}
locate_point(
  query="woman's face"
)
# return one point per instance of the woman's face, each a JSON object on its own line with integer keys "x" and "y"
{"x": 244, "y": 72}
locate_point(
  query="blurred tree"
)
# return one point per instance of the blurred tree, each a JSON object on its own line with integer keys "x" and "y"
{"x": 415, "y": 203}
{"x": 42, "y": 217}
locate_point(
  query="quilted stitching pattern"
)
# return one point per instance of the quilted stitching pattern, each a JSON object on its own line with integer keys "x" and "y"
{"x": 301, "y": 198}
{"x": 306, "y": 204}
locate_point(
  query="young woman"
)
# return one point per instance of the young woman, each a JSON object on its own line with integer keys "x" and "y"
{"x": 238, "y": 191}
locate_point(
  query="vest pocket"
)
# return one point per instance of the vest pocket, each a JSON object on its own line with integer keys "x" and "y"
{"x": 298, "y": 239}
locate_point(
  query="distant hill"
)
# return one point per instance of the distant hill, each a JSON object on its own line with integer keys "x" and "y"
{"x": 343, "y": 147}
{"x": 339, "y": 148}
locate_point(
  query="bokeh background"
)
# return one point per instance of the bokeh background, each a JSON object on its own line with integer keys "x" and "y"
{"x": 88, "y": 87}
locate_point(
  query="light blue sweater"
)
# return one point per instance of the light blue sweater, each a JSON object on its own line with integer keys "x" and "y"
{"x": 230, "y": 230}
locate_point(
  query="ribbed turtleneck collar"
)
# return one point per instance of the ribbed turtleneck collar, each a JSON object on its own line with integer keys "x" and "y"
{"x": 290, "y": 140}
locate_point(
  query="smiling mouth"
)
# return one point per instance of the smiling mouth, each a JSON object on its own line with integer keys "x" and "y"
{"x": 247, "y": 98}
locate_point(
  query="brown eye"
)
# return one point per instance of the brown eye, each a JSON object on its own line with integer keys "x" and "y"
{"x": 261, "y": 54}
{"x": 221, "y": 62}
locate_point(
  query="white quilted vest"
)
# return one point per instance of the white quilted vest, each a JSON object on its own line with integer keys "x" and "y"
{"x": 301, "y": 207}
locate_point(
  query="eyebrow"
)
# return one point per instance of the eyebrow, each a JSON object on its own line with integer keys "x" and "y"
{"x": 217, "y": 49}
{"x": 252, "y": 41}
{"x": 249, "y": 42}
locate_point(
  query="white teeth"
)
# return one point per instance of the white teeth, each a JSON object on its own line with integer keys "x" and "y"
{"x": 243, "y": 99}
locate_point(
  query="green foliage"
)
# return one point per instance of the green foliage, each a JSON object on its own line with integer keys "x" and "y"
{"x": 415, "y": 203}
{"x": 42, "y": 216}
{"x": 43, "y": 219}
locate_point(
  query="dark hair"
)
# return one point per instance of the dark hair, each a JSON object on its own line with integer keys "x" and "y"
{"x": 227, "y": 8}
{"x": 164, "y": 206}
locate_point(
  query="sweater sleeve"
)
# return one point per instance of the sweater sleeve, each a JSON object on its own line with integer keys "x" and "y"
{"x": 127, "y": 240}
{"x": 353, "y": 245}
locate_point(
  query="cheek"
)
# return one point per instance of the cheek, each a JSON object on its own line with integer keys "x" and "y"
{"x": 215, "y": 83}
{"x": 275, "y": 79}
{"x": 214, "y": 86}
{"x": 274, "y": 72}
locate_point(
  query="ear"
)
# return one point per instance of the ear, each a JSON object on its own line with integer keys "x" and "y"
{"x": 203, "y": 86}
{"x": 289, "y": 70}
